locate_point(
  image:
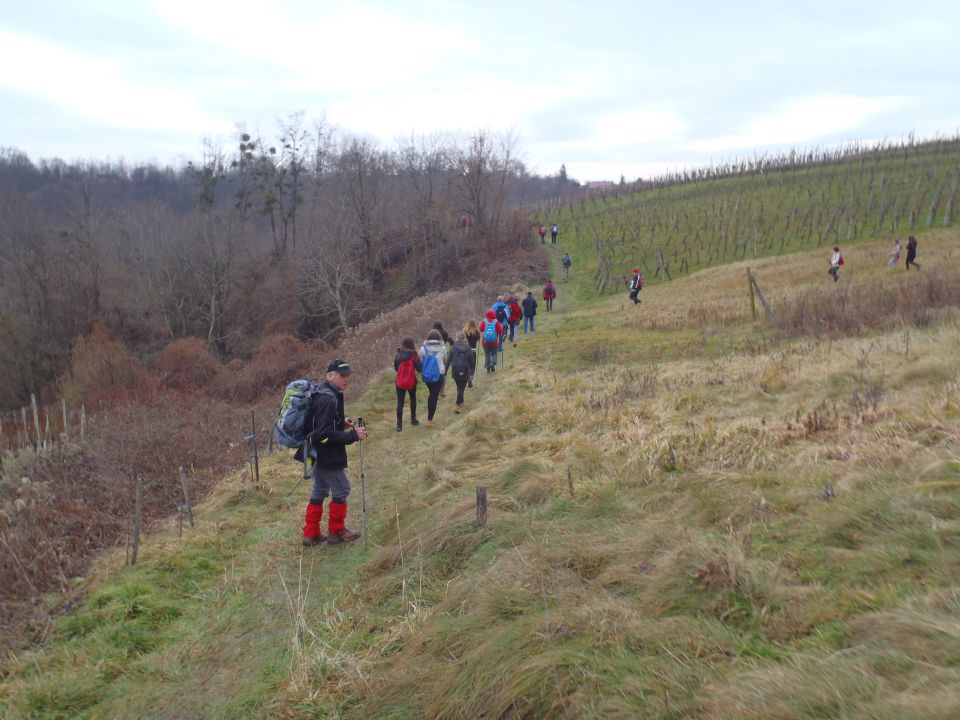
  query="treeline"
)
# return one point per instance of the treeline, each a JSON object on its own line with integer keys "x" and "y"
{"x": 308, "y": 232}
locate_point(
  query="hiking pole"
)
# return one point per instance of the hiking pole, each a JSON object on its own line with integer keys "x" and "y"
{"x": 363, "y": 489}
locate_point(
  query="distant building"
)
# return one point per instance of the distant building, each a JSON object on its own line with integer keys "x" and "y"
{"x": 599, "y": 184}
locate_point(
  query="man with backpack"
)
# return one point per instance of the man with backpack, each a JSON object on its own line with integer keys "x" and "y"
{"x": 327, "y": 443}
{"x": 513, "y": 320}
{"x": 500, "y": 310}
{"x": 529, "y": 311}
{"x": 549, "y": 294}
{"x": 566, "y": 262}
{"x": 554, "y": 231}
{"x": 636, "y": 285}
{"x": 490, "y": 333}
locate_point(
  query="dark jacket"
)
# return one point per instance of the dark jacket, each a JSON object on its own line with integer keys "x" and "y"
{"x": 473, "y": 339}
{"x": 462, "y": 349}
{"x": 529, "y": 306}
{"x": 329, "y": 439}
{"x": 404, "y": 354}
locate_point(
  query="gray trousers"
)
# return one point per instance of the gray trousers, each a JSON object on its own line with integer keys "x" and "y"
{"x": 327, "y": 481}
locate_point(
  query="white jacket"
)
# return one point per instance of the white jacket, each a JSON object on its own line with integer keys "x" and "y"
{"x": 438, "y": 349}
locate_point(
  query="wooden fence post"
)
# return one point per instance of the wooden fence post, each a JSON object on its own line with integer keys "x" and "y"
{"x": 481, "y": 506}
{"x": 65, "y": 432}
{"x": 256, "y": 456}
{"x": 137, "y": 508}
{"x": 36, "y": 420}
{"x": 186, "y": 494}
{"x": 753, "y": 304}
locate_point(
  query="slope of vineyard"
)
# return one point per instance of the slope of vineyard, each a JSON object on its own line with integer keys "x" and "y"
{"x": 761, "y": 208}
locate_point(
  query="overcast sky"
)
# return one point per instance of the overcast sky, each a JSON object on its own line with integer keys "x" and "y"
{"x": 605, "y": 87}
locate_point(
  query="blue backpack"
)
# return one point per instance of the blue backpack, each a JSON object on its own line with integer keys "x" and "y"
{"x": 490, "y": 333}
{"x": 431, "y": 367}
{"x": 294, "y": 422}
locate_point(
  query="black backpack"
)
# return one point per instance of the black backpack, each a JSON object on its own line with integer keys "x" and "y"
{"x": 460, "y": 363}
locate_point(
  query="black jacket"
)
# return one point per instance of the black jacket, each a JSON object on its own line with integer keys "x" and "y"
{"x": 462, "y": 348}
{"x": 329, "y": 439}
{"x": 529, "y": 307}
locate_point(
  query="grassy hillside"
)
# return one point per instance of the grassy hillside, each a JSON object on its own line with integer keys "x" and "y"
{"x": 768, "y": 207}
{"x": 690, "y": 516}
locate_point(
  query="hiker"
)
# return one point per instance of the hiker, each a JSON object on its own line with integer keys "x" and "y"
{"x": 332, "y": 432}
{"x": 549, "y": 293}
{"x": 912, "y": 252}
{"x": 554, "y": 231}
{"x": 462, "y": 361}
{"x": 438, "y": 326}
{"x": 490, "y": 330}
{"x": 636, "y": 285}
{"x": 529, "y": 311}
{"x": 433, "y": 360}
{"x": 543, "y": 233}
{"x": 895, "y": 253}
{"x": 835, "y": 262}
{"x": 500, "y": 309}
{"x": 407, "y": 364}
{"x": 516, "y": 314}
{"x": 566, "y": 262}
{"x": 472, "y": 333}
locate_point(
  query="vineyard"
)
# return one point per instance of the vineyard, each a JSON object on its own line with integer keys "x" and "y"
{"x": 768, "y": 206}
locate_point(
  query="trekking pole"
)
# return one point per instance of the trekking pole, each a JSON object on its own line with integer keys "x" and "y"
{"x": 363, "y": 489}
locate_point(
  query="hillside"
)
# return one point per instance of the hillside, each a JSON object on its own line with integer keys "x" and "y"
{"x": 690, "y": 516}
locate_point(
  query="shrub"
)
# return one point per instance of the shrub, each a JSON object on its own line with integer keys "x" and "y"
{"x": 101, "y": 370}
{"x": 186, "y": 364}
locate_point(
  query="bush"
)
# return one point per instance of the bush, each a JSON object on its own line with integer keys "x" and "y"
{"x": 102, "y": 371}
{"x": 186, "y": 364}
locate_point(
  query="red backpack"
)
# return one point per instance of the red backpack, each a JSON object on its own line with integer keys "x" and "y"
{"x": 407, "y": 373}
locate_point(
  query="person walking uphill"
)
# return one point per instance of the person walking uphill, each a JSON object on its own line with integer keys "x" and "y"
{"x": 515, "y": 315}
{"x": 490, "y": 331}
{"x": 549, "y": 294}
{"x": 554, "y": 231}
{"x": 835, "y": 262}
{"x": 543, "y": 233}
{"x": 433, "y": 359}
{"x": 472, "y": 332}
{"x": 327, "y": 444}
{"x": 912, "y": 252}
{"x": 529, "y": 311}
{"x": 636, "y": 285}
{"x": 463, "y": 359}
{"x": 407, "y": 364}
{"x": 566, "y": 262}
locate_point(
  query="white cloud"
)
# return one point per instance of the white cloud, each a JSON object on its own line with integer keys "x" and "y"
{"x": 803, "y": 121}
{"x": 96, "y": 88}
{"x": 328, "y": 48}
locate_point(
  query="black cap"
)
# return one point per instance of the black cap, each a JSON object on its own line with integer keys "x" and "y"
{"x": 339, "y": 366}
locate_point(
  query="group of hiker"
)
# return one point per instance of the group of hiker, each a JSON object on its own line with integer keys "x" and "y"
{"x": 554, "y": 231}
{"x": 836, "y": 259}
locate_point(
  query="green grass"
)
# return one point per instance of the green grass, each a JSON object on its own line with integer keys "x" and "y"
{"x": 660, "y": 542}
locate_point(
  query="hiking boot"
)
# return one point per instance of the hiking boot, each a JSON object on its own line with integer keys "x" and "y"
{"x": 343, "y": 536}
{"x": 429, "y": 423}
{"x": 399, "y": 428}
{"x": 470, "y": 382}
{"x": 414, "y": 422}
{"x": 319, "y": 539}
{"x": 493, "y": 368}
{"x": 457, "y": 407}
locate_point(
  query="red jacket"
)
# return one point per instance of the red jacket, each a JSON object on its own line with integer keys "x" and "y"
{"x": 515, "y": 314}
{"x": 549, "y": 292}
{"x": 491, "y": 319}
